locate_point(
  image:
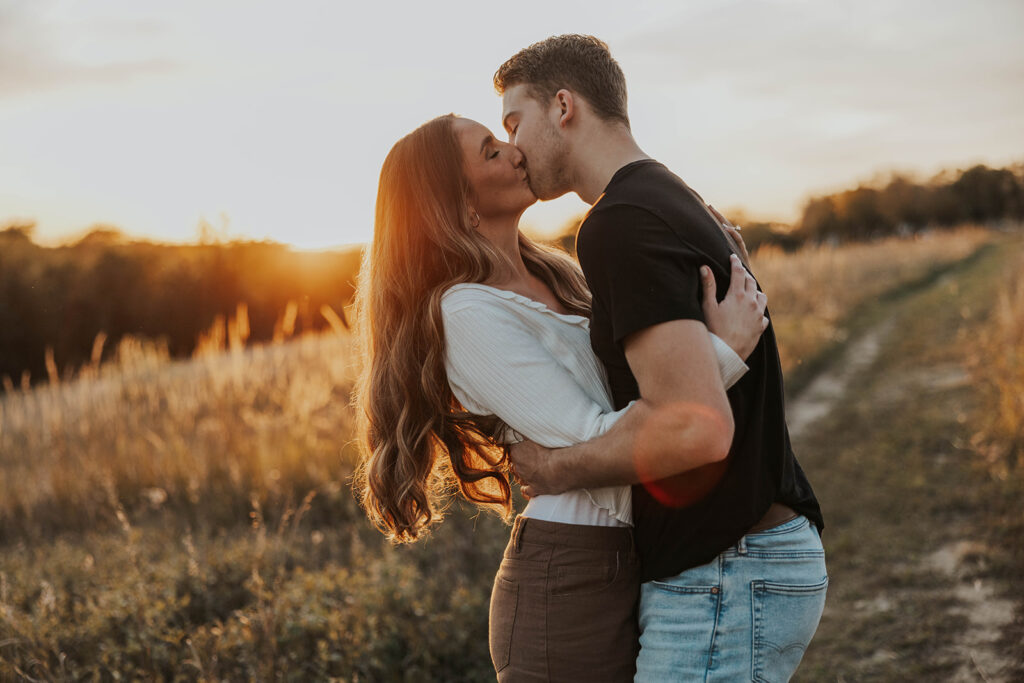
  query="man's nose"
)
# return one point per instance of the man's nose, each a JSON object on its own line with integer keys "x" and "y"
{"x": 517, "y": 157}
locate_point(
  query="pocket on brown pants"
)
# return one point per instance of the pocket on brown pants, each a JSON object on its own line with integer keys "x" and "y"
{"x": 502, "y": 619}
{"x": 583, "y": 580}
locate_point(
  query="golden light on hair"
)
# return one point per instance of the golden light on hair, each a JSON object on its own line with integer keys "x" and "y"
{"x": 417, "y": 444}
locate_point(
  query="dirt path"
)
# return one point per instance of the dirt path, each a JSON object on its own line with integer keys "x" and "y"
{"x": 880, "y": 432}
{"x": 825, "y": 391}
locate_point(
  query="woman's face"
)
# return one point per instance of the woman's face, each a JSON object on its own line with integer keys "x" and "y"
{"x": 495, "y": 171}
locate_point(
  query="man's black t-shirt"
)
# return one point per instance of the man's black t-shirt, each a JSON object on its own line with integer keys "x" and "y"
{"x": 641, "y": 247}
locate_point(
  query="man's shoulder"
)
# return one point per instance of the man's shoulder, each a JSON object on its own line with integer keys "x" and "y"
{"x": 619, "y": 225}
{"x": 651, "y": 188}
{"x": 615, "y": 211}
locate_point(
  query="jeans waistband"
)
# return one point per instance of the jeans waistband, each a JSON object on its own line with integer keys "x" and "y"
{"x": 544, "y": 532}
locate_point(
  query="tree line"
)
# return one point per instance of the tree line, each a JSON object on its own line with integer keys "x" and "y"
{"x": 903, "y": 206}
{"x": 897, "y": 205}
{"x": 63, "y": 297}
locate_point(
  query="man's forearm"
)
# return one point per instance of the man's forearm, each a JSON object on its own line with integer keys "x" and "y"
{"x": 648, "y": 443}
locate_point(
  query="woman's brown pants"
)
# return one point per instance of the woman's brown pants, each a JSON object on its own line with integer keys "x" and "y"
{"x": 564, "y": 604}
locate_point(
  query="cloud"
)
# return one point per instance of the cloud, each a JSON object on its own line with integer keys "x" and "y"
{"x": 900, "y": 59}
{"x": 31, "y": 42}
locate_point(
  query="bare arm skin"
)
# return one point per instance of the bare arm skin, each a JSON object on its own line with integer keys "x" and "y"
{"x": 683, "y": 420}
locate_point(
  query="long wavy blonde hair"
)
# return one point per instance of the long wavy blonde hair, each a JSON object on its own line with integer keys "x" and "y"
{"x": 417, "y": 444}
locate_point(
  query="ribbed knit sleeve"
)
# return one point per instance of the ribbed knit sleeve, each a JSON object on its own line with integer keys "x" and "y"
{"x": 496, "y": 366}
{"x": 730, "y": 364}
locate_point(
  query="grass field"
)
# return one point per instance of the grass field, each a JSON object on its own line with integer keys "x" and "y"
{"x": 192, "y": 519}
{"x": 927, "y": 530}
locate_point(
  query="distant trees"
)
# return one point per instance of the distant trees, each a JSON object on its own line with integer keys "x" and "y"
{"x": 62, "y": 297}
{"x": 902, "y": 206}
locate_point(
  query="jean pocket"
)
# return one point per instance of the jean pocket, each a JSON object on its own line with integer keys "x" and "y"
{"x": 785, "y": 619}
{"x": 502, "y": 619}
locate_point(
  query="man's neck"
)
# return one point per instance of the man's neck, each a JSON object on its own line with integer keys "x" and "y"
{"x": 599, "y": 154}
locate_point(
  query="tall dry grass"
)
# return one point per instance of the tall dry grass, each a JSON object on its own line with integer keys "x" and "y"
{"x": 996, "y": 363}
{"x": 811, "y": 292}
{"x": 202, "y": 438}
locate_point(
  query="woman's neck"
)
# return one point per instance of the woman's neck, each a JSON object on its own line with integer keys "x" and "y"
{"x": 504, "y": 235}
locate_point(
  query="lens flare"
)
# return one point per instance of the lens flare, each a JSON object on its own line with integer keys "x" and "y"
{"x": 692, "y": 486}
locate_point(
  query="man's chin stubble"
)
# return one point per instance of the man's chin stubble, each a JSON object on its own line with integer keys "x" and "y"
{"x": 543, "y": 194}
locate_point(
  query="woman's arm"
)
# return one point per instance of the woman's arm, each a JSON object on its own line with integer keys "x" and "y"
{"x": 497, "y": 366}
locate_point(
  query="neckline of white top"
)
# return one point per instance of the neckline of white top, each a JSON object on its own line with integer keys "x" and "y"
{"x": 526, "y": 301}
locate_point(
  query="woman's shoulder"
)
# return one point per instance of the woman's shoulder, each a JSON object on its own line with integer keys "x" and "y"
{"x": 483, "y": 299}
{"x": 492, "y": 301}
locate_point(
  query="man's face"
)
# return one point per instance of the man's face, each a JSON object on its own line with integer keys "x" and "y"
{"x": 533, "y": 128}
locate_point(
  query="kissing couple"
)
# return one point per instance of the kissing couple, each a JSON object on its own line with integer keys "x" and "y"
{"x": 637, "y": 397}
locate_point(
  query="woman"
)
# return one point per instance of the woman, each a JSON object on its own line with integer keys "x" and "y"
{"x": 475, "y": 336}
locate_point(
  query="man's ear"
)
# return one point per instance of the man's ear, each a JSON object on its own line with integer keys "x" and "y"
{"x": 566, "y": 103}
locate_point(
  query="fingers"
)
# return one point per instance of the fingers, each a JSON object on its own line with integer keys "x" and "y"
{"x": 525, "y": 490}
{"x": 738, "y": 275}
{"x": 764, "y": 323}
{"x": 762, "y": 301}
{"x": 749, "y": 283}
{"x": 719, "y": 216}
{"x": 735, "y": 232}
{"x": 709, "y": 286}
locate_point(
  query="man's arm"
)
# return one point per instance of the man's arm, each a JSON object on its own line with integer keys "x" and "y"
{"x": 682, "y": 420}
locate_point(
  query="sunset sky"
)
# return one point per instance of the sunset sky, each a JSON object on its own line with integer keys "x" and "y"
{"x": 271, "y": 120}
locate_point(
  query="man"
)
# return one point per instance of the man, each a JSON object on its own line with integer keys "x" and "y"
{"x": 726, "y": 523}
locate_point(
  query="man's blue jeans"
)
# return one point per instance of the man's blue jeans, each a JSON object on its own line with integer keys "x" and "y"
{"x": 748, "y": 615}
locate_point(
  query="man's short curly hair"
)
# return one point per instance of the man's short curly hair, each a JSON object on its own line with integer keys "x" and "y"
{"x": 579, "y": 63}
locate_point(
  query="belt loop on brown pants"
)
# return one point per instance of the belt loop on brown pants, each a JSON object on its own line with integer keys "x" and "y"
{"x": 519, "y": 533}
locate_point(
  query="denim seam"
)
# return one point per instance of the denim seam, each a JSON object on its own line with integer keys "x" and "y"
{"x": 784, "y": 554}
{"x": 718, "y": 615}
{"x": 755, "y": 615}
{"x": 769, "y": 587}
{"x": 684, "y": 590}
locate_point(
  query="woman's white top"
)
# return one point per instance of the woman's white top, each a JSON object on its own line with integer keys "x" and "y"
{"x": 513, "y": 357}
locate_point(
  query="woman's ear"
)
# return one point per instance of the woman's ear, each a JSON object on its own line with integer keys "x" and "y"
{"x": 474, "y": 218}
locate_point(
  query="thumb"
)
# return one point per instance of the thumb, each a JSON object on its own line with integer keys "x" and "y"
{"x": 525, "y": 490}
{"x": 710, "y": 288}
